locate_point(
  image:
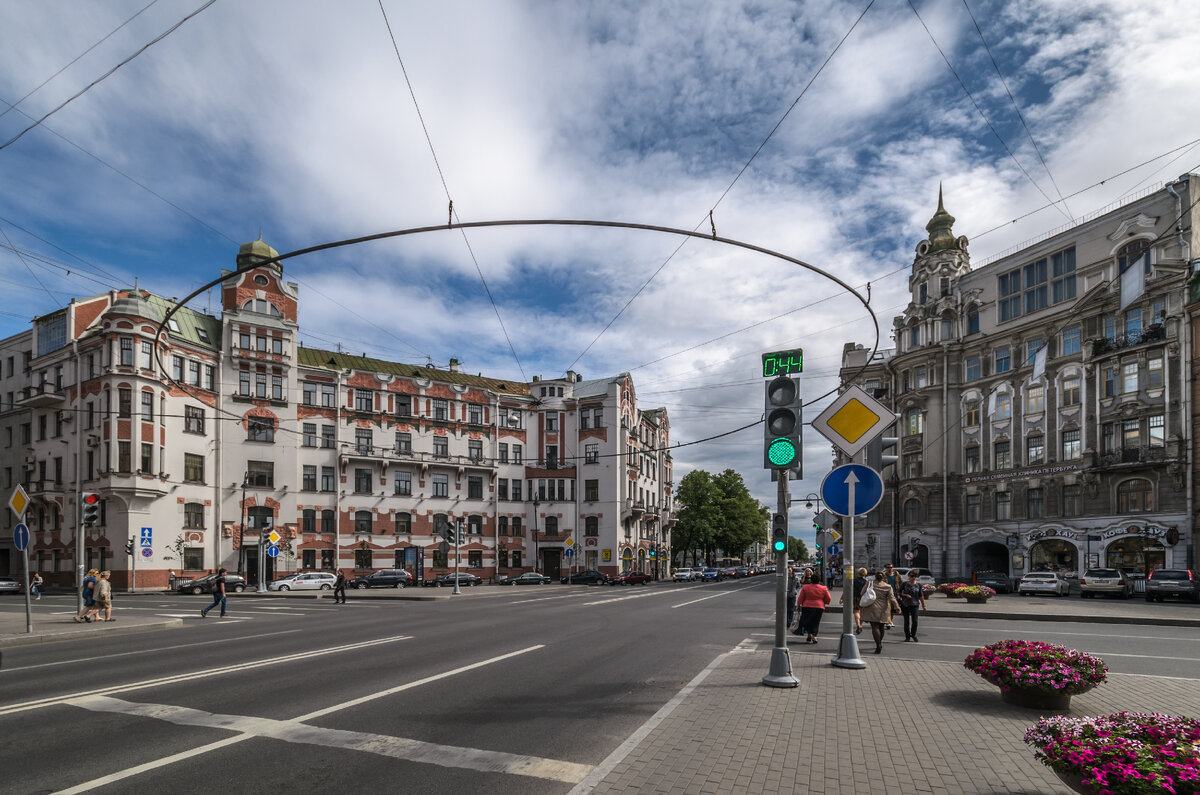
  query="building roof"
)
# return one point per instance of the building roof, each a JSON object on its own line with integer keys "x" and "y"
{"x": 595, "y": 388}
{"x": 195, "y": 327}
{"x": 332, "y": 360}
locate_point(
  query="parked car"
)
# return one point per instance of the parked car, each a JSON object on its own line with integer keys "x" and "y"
{"x": 529, "y": 578}
{"x": 924, "y": 576}
{"x": 683, "y": 575}
{"x": 1050, "y": 582}
{"x": 464, "y": 578}
{"x": 743, "y": 571}
{"x": 384, "y": 578}
{"x": 304, "y": 581}
{"x": 632, "y": 578}
{"x": 234, "y": 583}
{"x": 996, "y": 580}
{"x": 1161, "y": 583}
{"x": 712, "y": 574}
{"x": 729, "y": 572}
{"x": 11, "y": 585}
{"x": 587, "y": 577}
{"x": 1105, "y": 581}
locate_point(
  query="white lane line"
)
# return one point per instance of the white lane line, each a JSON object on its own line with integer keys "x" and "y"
{"x": 144, "y": 651}
{"x": 167, "y": 680}
{"x": 714, "y": 596}
{"x": 295, "y": 730}
{"x": 602, "y": 770}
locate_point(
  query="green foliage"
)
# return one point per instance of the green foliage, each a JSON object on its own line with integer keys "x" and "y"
{"x": 717, "y": 512}
{"x": 797, "y": 549}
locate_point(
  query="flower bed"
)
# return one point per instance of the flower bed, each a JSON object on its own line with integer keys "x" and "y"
{"x": 1033, "y": 665}
{"x": 948, "y": 588}
{"x": 975, "y": 593}
{"x": 1122, "y": 754}
{"x": 928, "y": 590}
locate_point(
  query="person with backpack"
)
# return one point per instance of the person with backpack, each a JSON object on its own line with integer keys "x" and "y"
{"x": 877, "y": 603}
{"x": 218, "y": 589}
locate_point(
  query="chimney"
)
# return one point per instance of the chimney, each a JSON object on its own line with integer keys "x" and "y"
{"x": 571, "y": 377}
{"x": 454, "y": 365}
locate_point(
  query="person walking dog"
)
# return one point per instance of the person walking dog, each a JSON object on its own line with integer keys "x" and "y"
{"x": 218, "y": 590}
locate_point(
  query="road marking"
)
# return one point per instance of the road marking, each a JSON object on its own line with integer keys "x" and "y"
{"x": 143, "y": 651}
{"x": 295, "y": 730}
{"x": 167, "y": 680}
{"x": 713, "y": 596}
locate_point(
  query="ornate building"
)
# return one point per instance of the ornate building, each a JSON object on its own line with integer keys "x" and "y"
{"x": 356, "y": 463}
{"x": 1044, "y": 415}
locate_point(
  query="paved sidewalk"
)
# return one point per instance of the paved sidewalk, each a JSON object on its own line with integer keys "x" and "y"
{"x": 899, "y": 726}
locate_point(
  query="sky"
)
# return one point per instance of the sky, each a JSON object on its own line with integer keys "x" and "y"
{"x": 820, "y": 130}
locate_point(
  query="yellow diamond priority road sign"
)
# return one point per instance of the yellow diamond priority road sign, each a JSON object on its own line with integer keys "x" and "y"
{"x": 19, "y": 502}
{"x": 853, "y": 420}
{"x": 274, "y": 537}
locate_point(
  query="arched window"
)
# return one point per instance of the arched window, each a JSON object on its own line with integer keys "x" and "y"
{"x": 404, "y": 522}
{"x": 973, "y": 319}
{"x": 1134, "y": 251}
{"x": 362, "y": 521}
{"x": 440, "y": 524}
{"x": 914, "y": 334}
{"x": 261, "y": 306}
{"x": 1135, "y": 496}
{"x": 947, "y": 326}
{"x": 912, "y": 511}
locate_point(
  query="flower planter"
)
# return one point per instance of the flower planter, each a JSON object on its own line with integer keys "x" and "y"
{"x": 1075, "y": 782}
{"x": 1034, "y": 698}
{"x": 976, "y": 600}
{"x": 1037, "y": 675}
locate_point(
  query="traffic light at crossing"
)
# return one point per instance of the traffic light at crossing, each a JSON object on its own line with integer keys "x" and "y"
{"x": 883, "y": 451}
{"x": 782, "y": 420}
{"x": 129, "y": 547}
{"x": 779, "y": 532}
{"x": 90, "y": 510}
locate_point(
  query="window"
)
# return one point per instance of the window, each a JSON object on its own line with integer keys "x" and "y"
{"x": 1154, "y": 372}
{"x": 404, "y": 484}
{"x": 475, "y": 559}
{"x": 441, "y": 485}
{"x": 922, "y": 379}
{"x": 328, "y": 436}
{"x": 328, "y": 522}
{"x": 403, "y": 522}
{"x": 1035, "y": 286}
{"x": 551, "y": 525}
{"x": 502, "y": 525}
{"x": 1034, "y": 503}
{"x": 913, "y": 463}
{"x": 591, "y": 453}
{"x": 244, "y": 383}
{"x": 585, "y": 420}
{"x": 1003, "y": 360}
{"x": 309, "y": 436}
{"x": 1035, "y": 399}
{"x": 277, "y": 388}
{"x": 474, "y": 487}
{"x": 1069, "y": 341}
{"x": 194, "y": 373}
{"x": 1110, "y": 380}
{"x": 1131, "y": 434}
{"x": 193, "y": 419}
{"x": 502, "y": 452}
{"x": 591, "y": 526}
{"x": 260, "y": 385}
{"x": 1157, "y": 431}
{"x": 261, "y": 306}
{"x": 1032, "y": 347}
{"x": 404, "y": 443}
{"x": 277, "y": 345}
{"x": 509, "y": 418}
{"x": 260, "y": 474}
{"x": 362, "y": 481}
{"x": 1003, "y": 505}
{"x": 1003, "y": 407}
{"x": 193, "y": 515}
{"x": 1070, "y": 390}
{"x": 914, "y": 422}
{"x": 598, "y": 418}
{"x": 1135, "y": 496}
{"x": 329, "y": 396}
{"x": 260, "y": 429}
{"x": 126, "y": 352}
{"x": 972, "y": 371}
{"x": 912, "y": 511}
{"x": 1071, "y": 499}
{"x": 260, "y": 344}
{"x": 193, "y": 468}
{"x": 972, "y": 512}
{"x": 516, "y": 490}
{"x": 551, "y": 456}
{"x": 124, "y": 403}
{"x": 403, "y": 405}
{"x": 971, "y": 459}
{"x": 475, "y": 449}
{"x": 1133, "y": 325}
{"x": 474, "y": 525}
{"x": 147, "y": 358}
{"x": 441, "y": 447}
{"x": 1071, "y": 447}
{"x": 210, "y": 377}
{"x": 364, "y": 443}
{"x": 362, "y": 524}
{"x": 1062, "y": 274}
{"x": 914, "y": 335}
{"x": 947, "y": 326}
{"x": 1009, "y": 295}
{"x": 923, "y": 293}
{"x": 441, "y": 409}
{"x": 1035, "y": 450}
{"x": 364, "y": 400}
{"x": 1130, "y": 253}
{"x": 1003, "y": 455}
{"x": 1129, "y": 378}
{"x": 552, "y": 422}
{"x": 502, "y": 488}
{"x": 308, "y": 520}
{"x": 973, "y": 320}
{"x": 177, "y": 368}
{"x": 971, "y": 414}
{"x": 474, "y": 414}
{"x": 591, "y": 490}
{"x": 516, "y": 453}
{"x": 308, "y": 394}
{"x": 309, "y": 478}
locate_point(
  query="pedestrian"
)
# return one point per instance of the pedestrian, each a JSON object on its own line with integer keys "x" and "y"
{"x": 860, "y": 582}
{"x": 103, "y": 598}
{"x": 912, "y": 596}
{"x": 812, "y": 601}
{"x": 88, "y": 593}
{"x": 879, "y": 611}
{"x": 339, "y": 587}
{"x": 35, "y": 586}
{"x": 894, "y": 581}
{"x": 793, "y": 589}
{"x": 218, "y": 589}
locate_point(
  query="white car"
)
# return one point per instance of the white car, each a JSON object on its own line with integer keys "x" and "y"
{"x": 924, "y": 576}
{"x": 307, "y": 581}
{"x": 685, "y": 575}
{"x": 1043, "y": 582}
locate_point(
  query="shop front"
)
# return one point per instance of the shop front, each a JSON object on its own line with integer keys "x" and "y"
{"x": 1137, "y": 548}
{"x": 1054, "y": 550}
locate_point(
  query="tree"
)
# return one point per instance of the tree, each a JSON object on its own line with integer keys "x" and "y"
{"x": 716, "y": 512}
{"x": 699, "y": 514}
{"x": 797, "y": 549}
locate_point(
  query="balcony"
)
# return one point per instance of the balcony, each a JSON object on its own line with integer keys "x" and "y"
{"x": 41, "y": 397}
{"x": 1133, "y": 455}
{"x": 1156, "y": 332}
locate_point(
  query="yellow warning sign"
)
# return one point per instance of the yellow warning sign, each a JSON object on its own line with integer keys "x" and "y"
{"x": 853, "y": 420}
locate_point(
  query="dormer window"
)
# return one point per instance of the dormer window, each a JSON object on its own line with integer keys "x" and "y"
{"x": 261, "y": 306}
{"x": 261, "y": 280}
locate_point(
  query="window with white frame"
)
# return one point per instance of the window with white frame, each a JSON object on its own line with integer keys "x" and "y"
{"x": 441, "y": 447}
{"x": 441, "y": 485}
{"x": 1129, "y": 378}
{"x": 1071, "y": 445}
{"x": 1070, "y": 390}
{"x": 403, "y": 483}
{"x": 971, "y": 413}
{"x": 309, "y": 436}
{"x": 591, "y": 453}
{"x": 1035, "y": 399}
{"x": 1003, "y": 406}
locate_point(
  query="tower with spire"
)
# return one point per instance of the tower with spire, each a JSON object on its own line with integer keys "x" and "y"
{"x": 939, "y": 262}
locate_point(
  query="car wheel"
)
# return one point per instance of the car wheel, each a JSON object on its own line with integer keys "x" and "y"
{"x": 437, "y": 585}
{"x": 239, "y": 588}
{"x": 360, "y": 585}
{"x": 395, "y": 585}
{"x": 326, "y": 587}
{"x": 197, "y": 589}
{"x": 284, "y": 588}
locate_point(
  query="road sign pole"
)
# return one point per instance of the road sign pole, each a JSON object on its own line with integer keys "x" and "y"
{"x": 262, "y": 565}
{"x": 457, "y": 530}
{"x": 848, "y": 656}
{"x": 780, "y": 674}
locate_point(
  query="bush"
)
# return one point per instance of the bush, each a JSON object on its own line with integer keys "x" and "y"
{"x": 948, "y": 588}
{"x": 1038, "y": 666}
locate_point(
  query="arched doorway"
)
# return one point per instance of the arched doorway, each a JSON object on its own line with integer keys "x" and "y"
{"x": 641, "y": 560}
{"x": 1054, "y": 555}
{"x": 626, "y": 560}
{"x": 1136, "y": 553}
{"x": 987, "y": 556}
{"x": 920, "y": 558}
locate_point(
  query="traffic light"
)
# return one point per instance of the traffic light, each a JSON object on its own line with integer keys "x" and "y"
{"x": 779, "y": 532}
{"x": 91, "y": 509}
{"x": 783, "y": 416}
{"x": 653, "y": 551}
{"x": 878, "y": 455}
{"x": 129, "y": 547}
{"x": 462, "y": 535}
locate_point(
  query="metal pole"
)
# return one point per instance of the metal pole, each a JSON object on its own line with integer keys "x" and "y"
{"x": 262, "y": 560}
{"x": 457, "y": 533}
{"x": 780, "y": 674}
{"x": 848, "y": 656}
{"x": 28, "y": 603}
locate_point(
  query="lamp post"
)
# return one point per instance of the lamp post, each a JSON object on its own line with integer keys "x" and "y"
{"x": 536, "y": 559}
{"x": 808, "y": 503}
{"x": 458, "y": 528}
{"x": 242, "y": 530}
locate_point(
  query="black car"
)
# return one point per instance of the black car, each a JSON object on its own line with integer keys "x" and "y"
{"x": 1161, "y": 583}
{"x": 587, "y": 577}
{"x": 384, "y": 578}
{"x": 464, "y": 578}
{"x": 995, "y": 580}
{"x": 234, "y": 583}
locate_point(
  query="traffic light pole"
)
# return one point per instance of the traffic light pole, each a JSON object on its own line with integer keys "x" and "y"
{"x": 457, "y": 531}
{"x": 780, "y": 674}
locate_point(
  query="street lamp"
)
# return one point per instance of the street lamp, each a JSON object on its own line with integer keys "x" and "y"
{"x": 536, "y": 502}
{"x": 242, "y": 531}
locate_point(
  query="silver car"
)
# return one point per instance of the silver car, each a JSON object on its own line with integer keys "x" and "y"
{"x": 1043, "y": 582}
{"x": 307, "y": 581}
{"x": 10, "y": 585}
{"x": 1105, "y": 581}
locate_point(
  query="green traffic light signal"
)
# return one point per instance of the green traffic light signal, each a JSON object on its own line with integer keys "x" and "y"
{"x": 781, "y": 452}
{"x": 780, "y": 546}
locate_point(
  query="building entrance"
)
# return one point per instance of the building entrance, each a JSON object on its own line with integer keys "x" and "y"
{"x": 987, "y": 556}
{"x": 552, "y": 563}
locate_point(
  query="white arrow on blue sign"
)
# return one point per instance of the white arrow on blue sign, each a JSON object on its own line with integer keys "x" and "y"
{"x": 273, "y": 551}
{"x": 852, "y": 490}
{"x": 147, "y": 532}
{"x": 834, "y": 549}
{"x": 570, "y": 553}
{"x": 21, "y": 536}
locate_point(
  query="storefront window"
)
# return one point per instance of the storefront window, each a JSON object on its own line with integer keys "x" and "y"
{"x": 1054, "y": 555}
{"x": 1136, "y": 553}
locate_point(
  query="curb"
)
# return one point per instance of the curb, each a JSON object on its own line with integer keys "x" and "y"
{"x": 24, "y": 639}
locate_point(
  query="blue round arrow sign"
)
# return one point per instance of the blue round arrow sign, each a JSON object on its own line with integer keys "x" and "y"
{"x": 862, "y": 480}
{"x": 21, "y": 536}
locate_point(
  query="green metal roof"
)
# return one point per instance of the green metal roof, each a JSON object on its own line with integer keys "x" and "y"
{"x": 191, "y": 323}
{"x": 331, "y": 360}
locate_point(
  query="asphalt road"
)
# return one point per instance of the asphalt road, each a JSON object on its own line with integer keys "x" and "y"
{"x": 508, "y": 690}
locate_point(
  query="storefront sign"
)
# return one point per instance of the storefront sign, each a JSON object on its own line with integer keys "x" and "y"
{"x": 1017, "y": 474}
{"x": 1134, "y": 530}
{"x": 1053, "y": 533}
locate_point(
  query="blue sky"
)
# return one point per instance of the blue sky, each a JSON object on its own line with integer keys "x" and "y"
{"x": 294, "y": 118}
